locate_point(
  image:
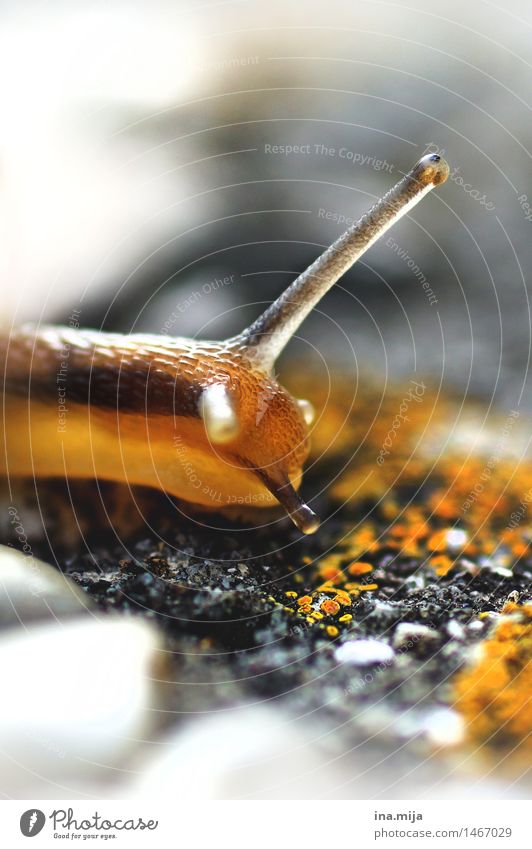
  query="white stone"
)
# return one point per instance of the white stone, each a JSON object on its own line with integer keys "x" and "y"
{"x": 252, "y": 752}
{"x": 31, "y": 590}
{"x": 456, "y": 539}
{"x": 469, "y": 566}
{"x": 502, "y": 571}
{"x": 75, "y": 697}
{"x": 364, "y": 652}
{"x": 412, "y": 631}
{"x": 455, "y": 630}
{"x": 444, "y": 727}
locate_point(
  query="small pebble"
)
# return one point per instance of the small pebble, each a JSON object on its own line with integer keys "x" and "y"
{"x": 502, "y": 571}
{"x": 469, "y": 566}
{"x": 31, "y": 590}
{"x": 364, "y": 652}
{"x": 444, "y": 727}
{"x": 246, "y": 753}
{"x": 410, "y": 631}
{"x": 76, "y": 698}
{"x": 456, "y": 539}
{"x": 455, "y": 630}
{"x": 497, "y": 564}
{"x": 415, "y": 582}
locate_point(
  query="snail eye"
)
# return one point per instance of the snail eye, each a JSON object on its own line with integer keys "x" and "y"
{"x": 217, "y": 410}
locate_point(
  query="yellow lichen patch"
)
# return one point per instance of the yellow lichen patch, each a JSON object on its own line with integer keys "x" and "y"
{"x": 304, "y": 599}
{"x": 330, "y": 572}
{"x": 333, "y": 576}
{"x": 329, "y": 607}
{"x": 437, "y": 541}
{"x": 482, "y": 486}
{"x": 326, "y": 588}
{"x": 519, "y": 549}
{"x": 441, "y": 564}
{"x": 360, "y": 568}
{"x": 342, "y": 597}
{"x": 433, "y": 498}
{"x": 495, "y": 693}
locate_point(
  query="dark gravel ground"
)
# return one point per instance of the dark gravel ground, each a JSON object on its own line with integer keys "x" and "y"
{"x": 233, "y": 634}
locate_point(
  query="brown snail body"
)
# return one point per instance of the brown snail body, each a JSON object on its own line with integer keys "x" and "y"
{"x": 203, "y": 421}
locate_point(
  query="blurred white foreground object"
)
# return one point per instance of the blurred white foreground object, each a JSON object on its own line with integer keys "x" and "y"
{"x": 253, "y": 752}
{"x": 32, "y": 590}
{"x": 75, "y": 698}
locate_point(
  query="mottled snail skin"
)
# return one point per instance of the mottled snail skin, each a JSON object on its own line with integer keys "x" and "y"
{"x": 203, "y": 421}
{"x": 133, "y": 415}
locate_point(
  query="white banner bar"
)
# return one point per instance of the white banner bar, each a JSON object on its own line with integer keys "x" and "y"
{"x": 262, "y": 824}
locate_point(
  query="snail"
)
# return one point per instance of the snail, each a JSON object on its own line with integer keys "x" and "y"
{"x": 206, "y": 422}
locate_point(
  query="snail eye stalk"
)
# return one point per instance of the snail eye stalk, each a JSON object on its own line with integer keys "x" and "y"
{"x": 268, "y": 335}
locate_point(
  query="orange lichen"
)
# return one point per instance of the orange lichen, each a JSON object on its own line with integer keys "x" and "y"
{"x": 494, "y": 694}
{"x": 360, "y": 568}
{"x": 441, "y": 564}
{"x": 437, "y": 541}
{"x": 304, "y": 600}
{"x": 330, "y": 607}
{"x": 342, "y": 597}
{"x": 330, "y": 573}
{"x": 460, "y": 504}
{"x": 480, "y": 488}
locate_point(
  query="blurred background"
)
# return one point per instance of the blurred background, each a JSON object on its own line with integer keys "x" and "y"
{"x": 170, "y": 167}
{"x": 182, "y": 162}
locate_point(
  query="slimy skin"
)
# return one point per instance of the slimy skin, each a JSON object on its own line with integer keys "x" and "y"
{"x": 203, "y": 421}
{"x": 133, "y": 414}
